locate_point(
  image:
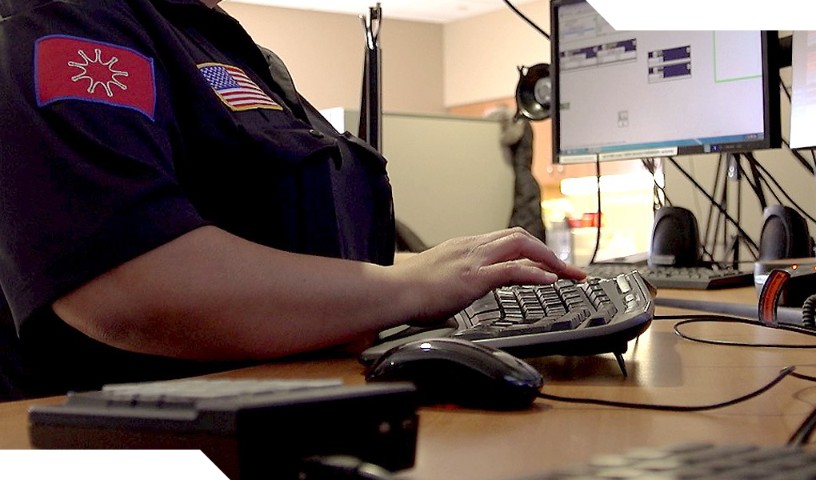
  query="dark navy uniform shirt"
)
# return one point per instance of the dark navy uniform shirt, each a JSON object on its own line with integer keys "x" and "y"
{"x": 126, "y": 123}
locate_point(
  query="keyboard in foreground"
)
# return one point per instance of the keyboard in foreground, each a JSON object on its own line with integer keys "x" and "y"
{"x": 250, "y": 428}
{"x": 566, "y": 318}
{"x": 695, "y": 461}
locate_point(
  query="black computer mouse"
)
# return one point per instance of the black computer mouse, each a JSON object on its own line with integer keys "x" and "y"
{"x": 460, "y": 372}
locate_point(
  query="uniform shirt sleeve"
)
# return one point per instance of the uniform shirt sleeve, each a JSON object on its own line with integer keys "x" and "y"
{"x": 87, "y": 142}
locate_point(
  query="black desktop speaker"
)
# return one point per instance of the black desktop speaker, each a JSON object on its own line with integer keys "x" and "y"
{"x": 784, "y": 234}
{"x": 675, "y": 239}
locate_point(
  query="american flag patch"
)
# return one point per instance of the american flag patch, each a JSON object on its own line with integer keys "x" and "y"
{"x": 235, "y": 88}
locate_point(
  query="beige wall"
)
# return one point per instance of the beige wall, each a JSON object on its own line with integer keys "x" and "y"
{"x": 426, "y": 67}
{"x": 325, "y": 53}
{"x": 483, "y": 53}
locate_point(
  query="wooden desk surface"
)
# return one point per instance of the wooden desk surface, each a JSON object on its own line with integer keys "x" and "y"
{"x": 663, "y": 368}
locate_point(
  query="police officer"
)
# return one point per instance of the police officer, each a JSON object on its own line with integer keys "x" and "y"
{"x": 171, "y": 205}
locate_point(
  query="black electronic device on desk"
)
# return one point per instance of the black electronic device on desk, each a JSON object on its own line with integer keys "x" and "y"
{"x": 701, "y": 277}
{"x": 250, "y": 429}
{"x": 675, "y": 258}
{"x": 566, "y": 318}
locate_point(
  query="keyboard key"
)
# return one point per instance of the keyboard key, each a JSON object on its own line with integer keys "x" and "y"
{"x": 694, "y": 461}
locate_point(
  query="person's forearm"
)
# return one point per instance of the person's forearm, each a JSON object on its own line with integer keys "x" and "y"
{"x": 210, "y": 295}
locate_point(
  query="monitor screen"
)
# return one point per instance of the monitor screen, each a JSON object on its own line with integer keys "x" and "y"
{"x": 646, "y": 94}
{"x": 803, "y": 90}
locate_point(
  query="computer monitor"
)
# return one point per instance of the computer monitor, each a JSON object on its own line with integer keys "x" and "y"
{"x": 643, "y": 94}
{"x": 803, "y": 90}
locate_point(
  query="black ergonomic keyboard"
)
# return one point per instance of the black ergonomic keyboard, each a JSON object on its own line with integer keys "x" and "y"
{"x": 565, "y": 318}
{"x": 250, "y": 428}
{"x": 692, "y": 278}
{"x": 695, "y": 461}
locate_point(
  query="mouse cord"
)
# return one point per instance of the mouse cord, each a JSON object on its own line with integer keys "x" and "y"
{"x": 802, "y": 434}
{"x": 677, "y": 408}
{"x": 689, "y": 319}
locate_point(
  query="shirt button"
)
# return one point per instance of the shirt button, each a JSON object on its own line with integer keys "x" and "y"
{"x": 315, "y": 133}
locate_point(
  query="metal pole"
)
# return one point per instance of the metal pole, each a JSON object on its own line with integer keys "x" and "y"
{"x": 371, "y": 109}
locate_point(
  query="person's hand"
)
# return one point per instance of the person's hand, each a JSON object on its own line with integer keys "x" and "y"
{"x": 444, "y": 279}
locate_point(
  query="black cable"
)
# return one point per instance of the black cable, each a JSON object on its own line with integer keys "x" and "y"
{"x": 782, "y": 191}
{"x": 712, "y": 228}
{"x": 673, "y": 408}
{"x": 741, "y": 175}
{"x": 802, "y": 160}
{"x": 784, "y": 88}
{"x": 689, "y": 319}
{"x": 526, "y": 19}
{"x": 802, "y": 434}
{"x": 798, "y": 207}
{"x": 802, "y": 376}
{"x": 799, "y": 438}
{"x": 722, "y": 206}
{"x": 597, "y": 220}
{"x": 764, "y": 175}
{"x": 756, "y": 185}
{"x": 767, "y": 184}
{"x": 660, "y": 198}
{"x": 710, "y": 216}
{"x": 649, "y": 165}
{"x": 711, "y": 199}
{"x": 735, "y": 248}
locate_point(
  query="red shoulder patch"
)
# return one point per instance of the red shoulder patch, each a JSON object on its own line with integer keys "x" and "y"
{"x": 72, "y": 68}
